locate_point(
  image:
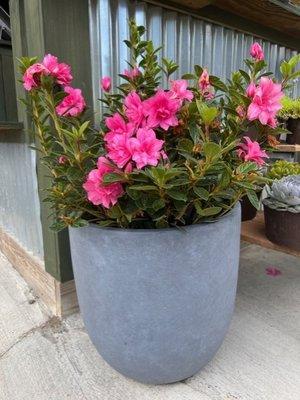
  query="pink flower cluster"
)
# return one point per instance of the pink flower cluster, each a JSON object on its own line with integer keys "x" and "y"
{"x": 131, "y": 140}
{"x": 50, "y": 66}
{"x": 73, "y": 104}
{"x": 251, "y": 151}
{"x": 97, "y": 192}
{"x": 265, "y": 101}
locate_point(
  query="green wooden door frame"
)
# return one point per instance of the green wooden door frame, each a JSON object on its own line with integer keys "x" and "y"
{"x": 59, "y": 27}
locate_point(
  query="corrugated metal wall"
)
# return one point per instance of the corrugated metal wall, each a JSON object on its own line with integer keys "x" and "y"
{"x": 19, "y": 205}
{"x": 186, "y": 39}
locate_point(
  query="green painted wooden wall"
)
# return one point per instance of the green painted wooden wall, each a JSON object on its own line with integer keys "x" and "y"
{"x": 59, "y": 27}
{"x": 8, "y": 103}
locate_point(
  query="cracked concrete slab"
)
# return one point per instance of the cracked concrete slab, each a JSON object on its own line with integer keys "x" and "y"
{"x": 42, "y": 358}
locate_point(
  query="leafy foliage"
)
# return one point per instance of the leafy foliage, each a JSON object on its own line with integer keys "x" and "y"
{"x": 202, "y": 178}
{"x": 282, "y": 168}
{"x": 290, "y": 108}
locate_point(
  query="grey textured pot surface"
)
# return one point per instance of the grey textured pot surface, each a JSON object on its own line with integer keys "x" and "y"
{"x": 157, "y": 303}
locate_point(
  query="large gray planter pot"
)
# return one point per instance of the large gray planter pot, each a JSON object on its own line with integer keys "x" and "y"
{"x": 157, "y": 303}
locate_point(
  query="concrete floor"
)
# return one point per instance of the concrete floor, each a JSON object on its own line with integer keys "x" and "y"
{"x": 42, "y": 358}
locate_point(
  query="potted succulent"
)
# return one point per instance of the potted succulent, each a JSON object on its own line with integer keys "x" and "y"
{"x": 281, "y": 168}
{"x": 290, "y": 112}
{"x": 155, "y": 192}
{"x": 282, "y": 212}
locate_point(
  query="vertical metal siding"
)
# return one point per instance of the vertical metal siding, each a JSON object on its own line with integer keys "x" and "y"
{"x": 186, "y": 39}
{"x": 19, "y": 203}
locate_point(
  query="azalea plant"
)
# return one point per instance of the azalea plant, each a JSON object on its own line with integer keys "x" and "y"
{"x": 162, "y": 156}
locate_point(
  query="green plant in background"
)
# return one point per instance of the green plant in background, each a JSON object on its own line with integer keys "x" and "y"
{"x": 283, "y": 168}
{"x": 290, "y": 108}
{"x": 284, "y": 194}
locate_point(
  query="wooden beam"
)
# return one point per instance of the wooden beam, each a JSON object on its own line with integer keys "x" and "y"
{"x": 267, "y": 13}
{"x": 288, "y": 148}
{"x": 194, "y": 4}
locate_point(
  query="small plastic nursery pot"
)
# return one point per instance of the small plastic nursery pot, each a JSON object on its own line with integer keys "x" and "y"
{"x": 157, "y": 303}
{"x": 293, "y": 125}
{"x": 282, "y": 227}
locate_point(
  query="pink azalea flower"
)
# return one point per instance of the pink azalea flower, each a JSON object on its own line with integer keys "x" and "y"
{"x": 251, "y": 89}
{"x": 256, "y": 52}
{"x": 119, "y": 148}
{"x": 105, "y": 83}
{"x": 128, "y": 168}
{"x": 179, "y": 90}
{"x": 161, "y": 110}
{"x": 73, "y": 104}
{"x": 133, "y": 73}
{"x": 134, "y": 109}
{"x": 146, "y": 148}
{"x": 273, "y": 271}
{"x": 265, "y": 102}
{"x": 97, "y": 192}
{"x": 62, "y": 159}
{"x": 32, "y": 76}
{"x": 60, "y": 71}
{"x": 251, "y": 151}
{"x": 117, "y": 124}
{"x": 204, "y": 81}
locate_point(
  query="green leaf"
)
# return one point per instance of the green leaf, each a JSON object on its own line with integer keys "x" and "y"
{"x": 112, "y": 177}
{"x": 245, "y": 75}
{"x": 211, "y": 150}
{"x": 217, "y": 83}
{"x": 246, "y": 167}
{"x": 208, "y": 114}
{"x": 252, "y": 196}
{"x": 175, "y": 194}
{"x": 186, "y": 145}
{"x": 143, "y": 187}
{"x": 194, "y": 132}
{"x": 114, "y": 212}
{"x": 198, "y": 70}
{"x": 188, "y": 76}
{"x": 201, "y": 192}
{"x": 285, "y": 69}
{"x": 158, "y": 204}
{"x": 209, "y": 211}
{"x": 80, "y": 223}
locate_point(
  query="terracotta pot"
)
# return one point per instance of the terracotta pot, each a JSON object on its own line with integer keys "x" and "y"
{"x": 293, "y": 125}
{"x": 283, "y": 227}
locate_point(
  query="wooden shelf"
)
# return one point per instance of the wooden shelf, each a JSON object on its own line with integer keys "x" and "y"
{"x": 254, "y": 232}
{"x": 288, "y": 148}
